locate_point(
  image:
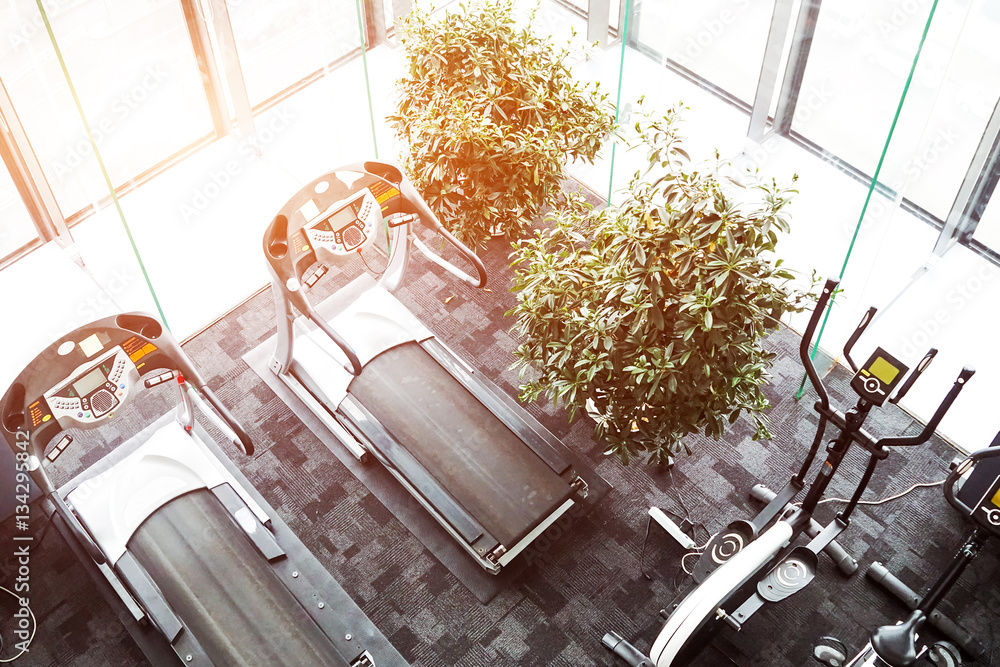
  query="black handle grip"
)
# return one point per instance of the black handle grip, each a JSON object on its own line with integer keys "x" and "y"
{"x": 621, "y": 648}
{"x": 924, "y": 436}
{"x": 866, "y": 319}
{"x": 245, "y": 440}
{"x": 352, "y": 356}
{"x": 428, "y": 217}
{"x": 917, "y": 372}
{"x": 817, "y": 383}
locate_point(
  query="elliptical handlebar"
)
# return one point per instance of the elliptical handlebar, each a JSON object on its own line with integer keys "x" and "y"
{"x": 862, "y": 325}
{"x": 807, "y": 337}
{"x": 915, "y": 375}
{"x": 963, "y": 377}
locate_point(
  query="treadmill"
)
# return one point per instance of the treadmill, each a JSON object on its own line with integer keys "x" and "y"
{"x": 386, "y": 386}
{"x": 210, "y": 574}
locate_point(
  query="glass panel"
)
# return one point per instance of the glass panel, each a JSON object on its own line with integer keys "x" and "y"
{"x": 854, "y": 80}
{"x": 860, "y": 60}
{"x": 16, "y": 226}
{"x": 721, "y": 41}
{"x": 134, "y": 68}
{"x": 281, "y": 43}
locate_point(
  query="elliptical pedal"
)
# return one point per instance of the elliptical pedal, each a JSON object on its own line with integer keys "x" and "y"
{"x": 789, "y": 576}
{"x": 722, "y": 547}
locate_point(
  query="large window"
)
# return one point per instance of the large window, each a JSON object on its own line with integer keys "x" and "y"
{"x": 721, "y": 41}
{"x": 859, "y": 63}
{"x": 16, "y": 227}
{"x": 134, "y": 68}
{"x": 281, "y": 43}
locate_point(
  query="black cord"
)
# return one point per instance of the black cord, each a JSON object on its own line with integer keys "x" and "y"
{"x": 642, "y": 552}
{"x": 378, "y": 274}
{"x": 677, "y": 495}
{"x": 45, "y": 527}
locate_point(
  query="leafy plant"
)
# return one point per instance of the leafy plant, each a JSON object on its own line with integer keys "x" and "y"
{"x": 490, "y": 114}
{"x": 650, "y": 314}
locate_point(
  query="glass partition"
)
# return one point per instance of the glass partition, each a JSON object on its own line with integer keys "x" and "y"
{"x": 721, "y": 42}
{"x": 829, "y": 82}
{"x": 281, "y": 43}
{"x": 16, "y": 227}
{"x": 137, "y": 77}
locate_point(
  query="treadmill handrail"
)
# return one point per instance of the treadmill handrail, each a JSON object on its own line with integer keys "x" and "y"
{"x": 427, "y": 216}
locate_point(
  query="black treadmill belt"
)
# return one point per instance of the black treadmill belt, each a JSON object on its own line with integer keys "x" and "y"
{"x": 464, "y": 446}
{"x": 223, "y": 589}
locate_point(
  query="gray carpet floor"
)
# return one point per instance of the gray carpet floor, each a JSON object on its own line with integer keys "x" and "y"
{"x": 577, "y": 584}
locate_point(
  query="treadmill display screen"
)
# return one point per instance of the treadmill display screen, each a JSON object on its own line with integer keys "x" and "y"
{"x": 342, "y": 218}
{"x": 89, "y": 382}
{"x": 884, "y": 371}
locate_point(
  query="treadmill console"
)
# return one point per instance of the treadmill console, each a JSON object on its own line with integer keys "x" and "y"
{"x": 878, "y": 377}
{"x": 93, "y": 391}
{"x": 345, "y": 227}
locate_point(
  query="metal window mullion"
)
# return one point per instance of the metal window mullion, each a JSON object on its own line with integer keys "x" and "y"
{"x": 791, "y": 85}
{"x": 976, "y": 189}
{"x": 780, "y": 19}
{"x": 200, "y": 35}
{"x": 28, "y": 175}
{"x": 373, "y": 15}
{"x": 598, "y": 19}
{"x": 632, "y": 10}
{"x": 217, "y": 14}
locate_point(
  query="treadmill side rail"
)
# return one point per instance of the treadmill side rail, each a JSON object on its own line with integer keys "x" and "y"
{"x": 160, "y": 613}
{"x": 397, "y": 459}
{"x": 261, "y": 537}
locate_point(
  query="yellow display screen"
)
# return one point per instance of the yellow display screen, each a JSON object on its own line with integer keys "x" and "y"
{"x": 883, "y": 370}
{"x": 996, "y": 498}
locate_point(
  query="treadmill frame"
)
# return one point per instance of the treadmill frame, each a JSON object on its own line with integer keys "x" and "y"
{"x": 370, "y": 320}
{"x": 128, "y": 585}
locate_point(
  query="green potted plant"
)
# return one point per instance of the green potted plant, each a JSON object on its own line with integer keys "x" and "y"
{"x": 650, "y": 314}
{"x": 490, "y": 114}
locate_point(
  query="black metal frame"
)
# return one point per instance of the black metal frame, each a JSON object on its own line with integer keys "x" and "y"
{"x": 764, "y": 584}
